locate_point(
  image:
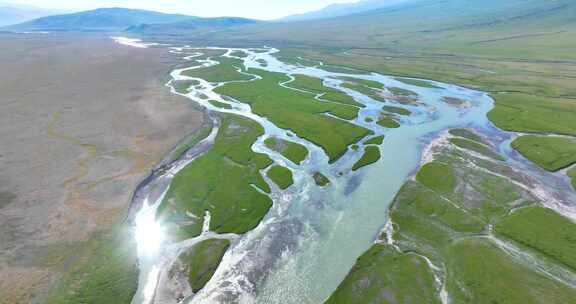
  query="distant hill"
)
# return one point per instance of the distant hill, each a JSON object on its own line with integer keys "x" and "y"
{"x": 190, "y": 25}
{"x": 514, "y": 26}
{"x": 343, "y": 9}
{"x": 104, "y": 19}
{"x": 11, "y": 13}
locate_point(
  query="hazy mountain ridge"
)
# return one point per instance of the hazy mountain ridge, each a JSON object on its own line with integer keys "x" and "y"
{"x": 131, "y": 20}
{"x": 99, "y": 19}
{"x": 11, "y": 13}
{"x": 343, "y": 9}
{"x": 428, "y": 24}
{"x": 189, "y": 25}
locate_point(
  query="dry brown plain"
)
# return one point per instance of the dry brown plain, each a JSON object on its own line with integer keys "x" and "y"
{"x": 82, "y": 120}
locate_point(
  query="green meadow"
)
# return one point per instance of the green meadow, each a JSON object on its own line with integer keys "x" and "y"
{"x": 299, "y": 112}
{"x": 378, "y": 140}
{"x": 438, "y": 177}
{"x": 417, "y": 82}
{"x": 480, "y": 272}
{"x": 220, "y": 105}
{"x": 281, "y": 176}
{"x": 572, "y": 175}
{"x": 542, "y": 230}
{"x": 315, "y": 85}
{"x": 548, "y": 152}
{"x": 476, "y": 147}
{"x": 464, "y": 133}
{"x": 104, "y": 270}
{"x": 388, "y": 122}
{"x": 371, "y": 155}
{"x": 227, "y": 70}
{"x": 296, "y": 153}
{"x": 397, "y": 110}
{"x": 362, "y": 88}
{"x": 385, "y": 275}
{"x": 202, "y": 260}
{"x": 445, "y": 215}
{"x": 235, "y": 206}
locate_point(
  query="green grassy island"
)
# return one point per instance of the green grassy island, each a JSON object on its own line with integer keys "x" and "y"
{"x": 296, "y": 153}
{"x": 281, "y": 176}
{"x": 299, "y": 112}
{"x": 370, "y": 156}
{"x": 236, "y": 207}
{"x": 550, "y": 153}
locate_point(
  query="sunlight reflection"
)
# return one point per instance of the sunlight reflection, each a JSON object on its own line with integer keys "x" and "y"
{"x": 149, "y": 233}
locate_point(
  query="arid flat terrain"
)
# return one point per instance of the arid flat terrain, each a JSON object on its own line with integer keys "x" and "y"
{"x": 82, "y": 120}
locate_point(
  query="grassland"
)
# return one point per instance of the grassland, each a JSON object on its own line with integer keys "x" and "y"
{"x": 238, "y": 54}
{"x": 296, "y": 153}
{"x": 535, "y": 113}
{"x": 281, "y": 176}
{"x": 417, "y": 82}
{"x": 183, "y": 86}
{"x": 482, "y": 273}
{"x": 445, "y": 215}
{"x": 529, "y": 75}
{"x": 296, "y": 60}
{"x": 388, "y": 122}
{"x": 465, "y": 133}
{"x": 542, "y": 230}
{"x": 220, "y": 105}
{"x": 107, "y": 271}
{"x": 397, "y": 110}
{"x": 550, "y": 153}
{"x": 221, "y": 182}
{"x": 371, "y": 155}
{"x": 386, "y": 276}
{"x": 572, "y": 175}
{"x": 299, "y": 112}
{"x": 532, "y": 95}
{"x": 476, "y": 147}
{"x": 402, "y": 92}
{"x": 202, "y": 260}
{"x": 429, "y": 219}
{"x": 209, "y": 53}
{"x": 316, "y": 85}
{"x": 364, "y": 82}
{"x": 438, "y": 177}
{"x": 378, "y": 140}
{"x": 227, "y": 70}
{"x": 363, "y": 89}
{"x": 523, "y": 58}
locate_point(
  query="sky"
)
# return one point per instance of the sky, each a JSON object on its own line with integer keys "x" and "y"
{"x": 258, "y": 9}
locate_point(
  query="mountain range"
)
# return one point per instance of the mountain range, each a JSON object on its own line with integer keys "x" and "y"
{"x": 401, "y": 24}
{"x": 104, "y": 19}
{"x": 343, "y": 9}
{"x": 11, "y": 13}
{"x": 120, "y": 19}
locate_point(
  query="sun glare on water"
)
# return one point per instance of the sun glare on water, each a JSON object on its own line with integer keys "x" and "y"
{"x": 149, "y": 234}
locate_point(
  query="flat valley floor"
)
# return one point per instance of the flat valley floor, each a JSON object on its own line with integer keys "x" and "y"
{"x": 82, "y": 121}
